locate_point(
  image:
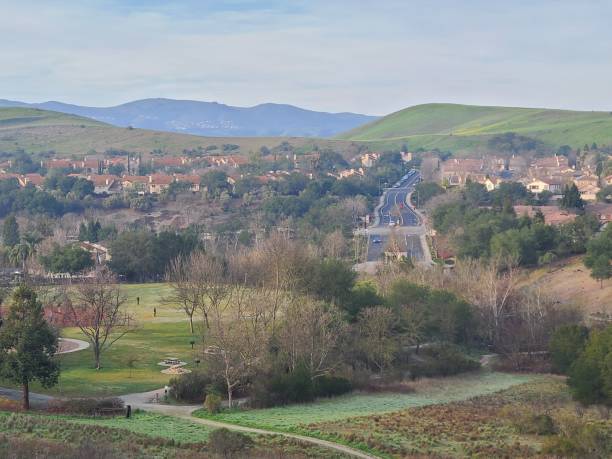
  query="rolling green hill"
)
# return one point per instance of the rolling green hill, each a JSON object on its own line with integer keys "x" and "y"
{"x": 35, "y": 130}
{"x": 458, "y": 127}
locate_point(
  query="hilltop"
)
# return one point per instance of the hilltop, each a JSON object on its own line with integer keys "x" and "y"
{"x": 212, "y": 118}
{"x": 458, "y": 127}
{"x": 35, "y": 130}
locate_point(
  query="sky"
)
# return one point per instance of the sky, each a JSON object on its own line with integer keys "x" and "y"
{"x": 365, "y": 56}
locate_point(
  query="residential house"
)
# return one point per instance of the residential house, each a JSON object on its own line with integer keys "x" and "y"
{"x": 105, "y": 184}
{"x": 193, "y": 180}
{"x": 36, "y": 180}
{"x": 230, "y": 161}
{"x": 517, "y": 164}
{"x": 139, "y": 183}
{"x": 307, "y": 161}
{"x": 492, "y": 183}
{"x": 350, "y": 173}
{"x": 368, "y": 159}
{"x": 553, "y": 215}
{"x": 159, "y": 183}
{"x": 602, "y": 210}
{"x": 57, "y": 164}
{"x": 406, "y": 156}
{"x": 98, "y": 252}
{"x": 457, "y": 171}
{"x": 545, "y": 184}
{"x": 588, "y": 191}
{"x": 88, "y": 165}
{"x": 170, "y": 161}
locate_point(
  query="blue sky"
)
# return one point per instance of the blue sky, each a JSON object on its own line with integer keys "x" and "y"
{"x": 362, "y": 55}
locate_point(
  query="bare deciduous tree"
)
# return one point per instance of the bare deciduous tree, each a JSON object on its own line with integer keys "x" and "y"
{"x": 97, "y": 309}
{"x": 311, "y": 334}
{"x": 239, "y": 334}
{"x": 376, "y": 338}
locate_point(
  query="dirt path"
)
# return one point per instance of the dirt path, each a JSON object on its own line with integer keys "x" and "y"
{"x": 146, "y": 401}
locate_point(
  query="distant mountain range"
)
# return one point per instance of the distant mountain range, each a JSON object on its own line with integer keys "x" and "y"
{"x": 212, "y": 118}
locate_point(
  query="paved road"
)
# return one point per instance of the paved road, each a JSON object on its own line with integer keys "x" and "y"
{"x": 395, "y": 216}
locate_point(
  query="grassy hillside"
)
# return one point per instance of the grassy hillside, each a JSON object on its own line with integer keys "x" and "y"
{"x": 465, "y": 126}
{"x": 40, "y": 130}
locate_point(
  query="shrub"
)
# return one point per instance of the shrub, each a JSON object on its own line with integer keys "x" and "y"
{"x": 87, "y": 406}
{"x": 579, "y": 438}
{"x": 227, "y": 443}
{"x": 526, "y": 421}
{"x": 191, "y": 387}
{"x": 9, "y": 405}
{"x": 297, "y": 386}
{"x": 441, "y": 360}
{"x": 330, "y": 386}
{"x": 212, "y": 403}
{"x": 566, "y": 344}
{"x": 590, "y": 376}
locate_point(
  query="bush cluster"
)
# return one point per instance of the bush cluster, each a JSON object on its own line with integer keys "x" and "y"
{"x": 441, "y": 360}
{"x": 296, "y": 386}
{"x": 87, "y": 406}
{"x": 193, "y": 387}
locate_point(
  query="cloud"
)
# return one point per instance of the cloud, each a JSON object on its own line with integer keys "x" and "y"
{"x": 367, "y": 56}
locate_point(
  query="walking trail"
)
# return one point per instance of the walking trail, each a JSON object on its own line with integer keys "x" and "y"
{"x": 147, "y": 401}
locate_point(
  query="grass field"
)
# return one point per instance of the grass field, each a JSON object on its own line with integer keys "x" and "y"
{"x": 456, "y": 126}
{"x": 166, "y": 335}
{"x": 428, "y": 392}
{"x": 570, "y": 282}
{"x": 484, "y": 426}
{"x": 41, "y": 130}
{"x": 145, "y": 435}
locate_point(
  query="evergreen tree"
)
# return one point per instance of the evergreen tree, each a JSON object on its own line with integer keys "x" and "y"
{"x": 10, "y": 231}
{"x": 590, "y": 377}
{"x": 571, "y": 198}
{"x": 601, "y": 269}
{"x": 27, "y": 344}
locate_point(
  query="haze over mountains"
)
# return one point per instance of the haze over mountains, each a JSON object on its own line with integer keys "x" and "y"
{"x": 212, "y": 118}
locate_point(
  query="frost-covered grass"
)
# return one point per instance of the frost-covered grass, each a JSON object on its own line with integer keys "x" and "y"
{"x": 150, "y": 424}
{"x": 427, "y": 392}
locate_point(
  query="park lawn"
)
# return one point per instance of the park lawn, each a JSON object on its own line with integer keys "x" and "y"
{"x": 428, "y": 392}
{"x": 151, "y": 296}
{"x": 150, "y": 343}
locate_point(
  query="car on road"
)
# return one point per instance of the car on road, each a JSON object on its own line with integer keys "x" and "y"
{"x": 376, "y": 240}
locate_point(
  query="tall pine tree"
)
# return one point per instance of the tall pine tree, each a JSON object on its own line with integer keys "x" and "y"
{"x": 27, "y": 344}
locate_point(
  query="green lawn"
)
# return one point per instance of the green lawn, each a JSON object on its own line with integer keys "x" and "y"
{"x": 150, "y": 343}
{"x": 151, "y": 296}
{"x": 428, "y": 392}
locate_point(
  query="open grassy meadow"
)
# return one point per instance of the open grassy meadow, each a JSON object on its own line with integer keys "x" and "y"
{"x": 145, "y": 435}
{"x": 427, "y": 392}
{"x": 504, "y": 424}
{"x": 458, "y": 127}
